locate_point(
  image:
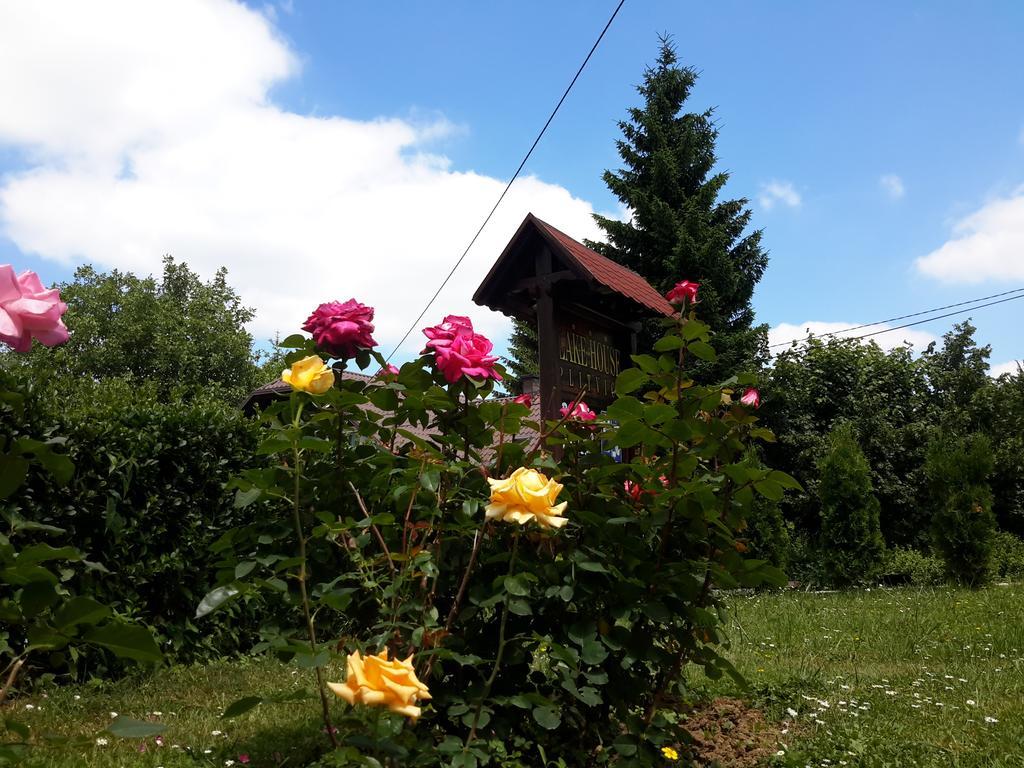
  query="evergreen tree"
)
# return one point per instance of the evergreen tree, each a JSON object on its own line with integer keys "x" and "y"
{"x": 522, "y": 353}
{"x": 963, "y": 526}
{"x": 851, "y": 538}
{"x": 678, "y": 228}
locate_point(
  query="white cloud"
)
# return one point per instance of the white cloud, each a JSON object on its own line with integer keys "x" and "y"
{"x": 782, "y": 192}
{"x": 1010, "y": 367}
{"x": 892, "y": 185}
{"x": 148, "y": 129}
{"x": 986, "y": 245}
{"x": 786, "y": 332}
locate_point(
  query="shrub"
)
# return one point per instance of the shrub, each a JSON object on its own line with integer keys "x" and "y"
{"x": 963, "y": 525}
{"x": 1007, "y": 556}
{"x": 767, "y": 535}
{"x": 851, "y": 539}
{"x": 559, "y": 634}
{"x": 911, "y": 566}
{"x": 146, "y": 501}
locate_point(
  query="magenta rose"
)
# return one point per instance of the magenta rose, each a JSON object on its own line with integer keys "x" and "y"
{"x": 342, "y": 329}
{"x": 442, "y": 334}
{"x": 523, "y": 400}
{"x": 581, "y": 412}
{"x": 684, "y": 290}
{"x": 751, "y": 398}
{"x": 466, "y": 354}
{"x": 27, "y": 311}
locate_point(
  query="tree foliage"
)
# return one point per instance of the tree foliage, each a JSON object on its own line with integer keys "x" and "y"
{"x": 963, "y": 526}
{"x": 178, "y": 332}
{"x": 850, "y": 532}
{"x": 678, "y": 227}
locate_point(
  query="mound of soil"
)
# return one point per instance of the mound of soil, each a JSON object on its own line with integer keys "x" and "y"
{"x": 728, "y": 733}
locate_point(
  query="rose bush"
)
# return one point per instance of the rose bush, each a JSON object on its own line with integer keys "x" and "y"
{"x": 564, "y": 636}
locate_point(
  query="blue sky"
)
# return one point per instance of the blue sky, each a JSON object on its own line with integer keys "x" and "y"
{"x": 867, "y": 137}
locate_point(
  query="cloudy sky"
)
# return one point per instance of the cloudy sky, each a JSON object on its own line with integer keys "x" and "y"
{"x": 324, "y": 150}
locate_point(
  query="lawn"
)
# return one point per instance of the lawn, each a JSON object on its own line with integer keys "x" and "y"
{"x": 875, "y": 678}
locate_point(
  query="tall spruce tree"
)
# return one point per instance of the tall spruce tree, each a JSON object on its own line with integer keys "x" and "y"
{"x": 678, "y": 228}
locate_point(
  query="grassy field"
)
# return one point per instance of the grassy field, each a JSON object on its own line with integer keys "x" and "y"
{"x": 886, "y": 677}
{"x": 869, "y": 678}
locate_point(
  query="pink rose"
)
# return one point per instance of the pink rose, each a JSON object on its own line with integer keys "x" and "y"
{"x": 683, "y": 291}
{"x": 581, "y": 412}
{"x": 27, "y": 311}
{"x": 341, "y": 330}
{"x": 633, "y": 490}
{"x": 751, "y": 398}
{"x": 465, "y": 354}
{"x": 523, "y": 400}
{"x": 442, "y": 334}
{"x": 243, "y": 758}
{"x": 388, "y": 370}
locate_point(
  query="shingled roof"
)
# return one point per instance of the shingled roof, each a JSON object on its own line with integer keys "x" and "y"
{"x": 586, "y": 264}
{"x": 609, "y": 273}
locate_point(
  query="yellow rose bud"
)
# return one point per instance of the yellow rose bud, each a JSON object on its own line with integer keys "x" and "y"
{"x": 524, "y": 496}
{"x": 310, "y": 374}
{"x": 378, "y": 682}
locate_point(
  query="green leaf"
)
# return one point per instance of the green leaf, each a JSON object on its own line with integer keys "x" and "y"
{"x": 630, "y": 380}
{"x": 668, "y": 343}
{"x": 547, "y": 717}
{"x": 769, "y": 489}
{"x": 127, "y": 641}
{"x": 295, "y": 341}
{"x": 244, "y": 568}
{"x": 702, "y": 350}
{"x": 19, "y": 729}
{"x": 625, "y": 409}
{"x": 593, "y": 652}
{"x": 786, "y": 481}
{"x": 40, "y": 553}
{"x": 127, "y": 728}
{"x": 37, "y": 596}
{"x": 241, "y": 706}
{"x": 431, "y": 480}
{"x": 216, "y": 598}
{"x": 517, "y": 585}
{"x": 13, "y": 470}
{"x": 245, "y": 498}
{"x": 80, "y": 610}
{"x": 520, "y": 608}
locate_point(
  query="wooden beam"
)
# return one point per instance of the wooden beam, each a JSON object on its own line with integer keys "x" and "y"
{"x": 536, "y": 281}
{"x": 547, "y": 338}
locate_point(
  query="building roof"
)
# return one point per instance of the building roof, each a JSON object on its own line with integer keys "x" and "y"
{"x": 609, "y": 273}
{"x": 515, "y": 262}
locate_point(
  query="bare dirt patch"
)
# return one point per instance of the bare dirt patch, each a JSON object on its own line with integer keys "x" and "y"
{"x": 731, "y": 734}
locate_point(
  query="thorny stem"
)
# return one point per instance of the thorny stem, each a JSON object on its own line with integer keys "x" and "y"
{"x": 501, "y": 649}
{"x": 373, "y": 527}
{"x": 545, "y": 434}
{"x": 303, "y": 575}
{"x": 15, "y": 668}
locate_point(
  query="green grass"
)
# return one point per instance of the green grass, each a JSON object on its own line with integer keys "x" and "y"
{"x": 886, "y": 677}
{"x": 866, "y": 673}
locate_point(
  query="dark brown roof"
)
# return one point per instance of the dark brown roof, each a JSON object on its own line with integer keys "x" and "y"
{"x": 609, "y": 273}
{"x": 503, "y": 289}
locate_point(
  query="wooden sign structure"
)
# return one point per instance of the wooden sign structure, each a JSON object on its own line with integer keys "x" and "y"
{"x": 586, "y": 308}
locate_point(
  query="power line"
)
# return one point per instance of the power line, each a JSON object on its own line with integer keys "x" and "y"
{"x": 919, "y": 322}
{"x": 510, "y": 181}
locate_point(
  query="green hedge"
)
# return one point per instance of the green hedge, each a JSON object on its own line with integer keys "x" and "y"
{"x": 146, "y": 500}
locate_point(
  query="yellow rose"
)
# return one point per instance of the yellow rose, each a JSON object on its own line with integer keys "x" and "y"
{"x": 378, "y": 682}
{"x": 526, "y": 495}
{"x": 310, "y": 374}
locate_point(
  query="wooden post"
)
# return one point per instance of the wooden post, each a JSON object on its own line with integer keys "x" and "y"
{"x": 547, "y": 339}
